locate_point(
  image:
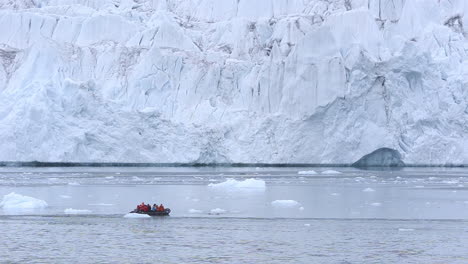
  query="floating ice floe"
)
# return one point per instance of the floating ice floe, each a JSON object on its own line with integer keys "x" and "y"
{"x": 331, "y": 172}
{"x": 334, "y": 194}
{"x": 285, "y": 203}
{"x": 65, "y": 196}
{"x": 73, "y": 183}
{"x": 250, "y": 184}
{"x": 368, "y": 190}
{"x": 405, "y": 229}
{"x": 301, "y": 208}
{"x": 376, "y": 204}
{"x": 133, "y": 215}
{"x": 110, "y": 177}
{"x": 14, "y": 201}
{"x": 217, "y": 211}
{"x": 309, "y": 172}
{"x": 76, "y": 211}
{"x": 195, "y": 211}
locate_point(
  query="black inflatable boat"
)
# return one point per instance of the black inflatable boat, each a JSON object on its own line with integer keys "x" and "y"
{"x": 166, "y": 211}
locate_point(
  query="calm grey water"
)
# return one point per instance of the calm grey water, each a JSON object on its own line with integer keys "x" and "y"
{"x": 406, "y": 216}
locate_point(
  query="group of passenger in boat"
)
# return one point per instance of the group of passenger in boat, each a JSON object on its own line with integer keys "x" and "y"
{"x": 148, "y": 208}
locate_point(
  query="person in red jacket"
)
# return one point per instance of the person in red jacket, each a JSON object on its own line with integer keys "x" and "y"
{"x": 161, "y": 208}
{"x": 141, "y": 206}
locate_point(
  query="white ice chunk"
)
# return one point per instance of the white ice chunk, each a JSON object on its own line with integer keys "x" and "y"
{"x": 18, "y": 201}
{"x": 309, "y": 172}
{"x": 195, "y": 211}
{"x": 368, "y": 190}
{"x": 252, "y": 184}
{"x": 73, "y": 183}
{"x": 217, "y": 211}
{"x": 405, "y": 229}
{"x": 331, "y": 172}
{"x": 376, "y": 204}
{"x": 133, "y": 215}
{"x": 285, "y": 203}
{"x": 65, "y": 196}
{"x": 76, "y": 211}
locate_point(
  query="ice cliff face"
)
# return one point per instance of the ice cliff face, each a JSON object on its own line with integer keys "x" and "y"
{"x": 271, "y": 81}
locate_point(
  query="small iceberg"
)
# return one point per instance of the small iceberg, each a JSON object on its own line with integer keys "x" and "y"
{"x": 309, "y": 172}
{"x": 14, "y": 201}
{"x": 405, "y": 229}
{"x": 232, "y": 184}
{"x": 217, "y": 211}
{"x": 133, "y": 215}
{"x": 376, "y": 204}
{"x": 331, "y": 172}
{"x": 76, "y": 211}
{"x": 285, "y": 203}
{"x": 368, "y": 190}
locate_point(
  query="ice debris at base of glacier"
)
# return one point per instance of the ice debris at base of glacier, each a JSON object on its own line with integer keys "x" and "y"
{"x": 14, "y": 201}
{"x": 208, "y": 81}
{"x": 232, "y": 184}
{"x": 133, "y": 215}
{"x": 76, "y": 211}
{"x": 285, "y": 203}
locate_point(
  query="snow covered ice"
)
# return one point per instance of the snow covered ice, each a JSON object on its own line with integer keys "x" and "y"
{"x": 285, "y": 203}
{"x": 217, "y": 211}
{"x": 14, "y": 201}
{"x": 133, "y": 215}
{"x": 232, "y": 184}
{"x": 76, "y": 211}
{"x": 179, "y": 81}
{"x": 331, "y": 172}
{"x": 309, "y": 172}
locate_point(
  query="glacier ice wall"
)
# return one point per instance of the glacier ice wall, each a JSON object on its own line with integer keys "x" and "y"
{"x": 270, "y": 81}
